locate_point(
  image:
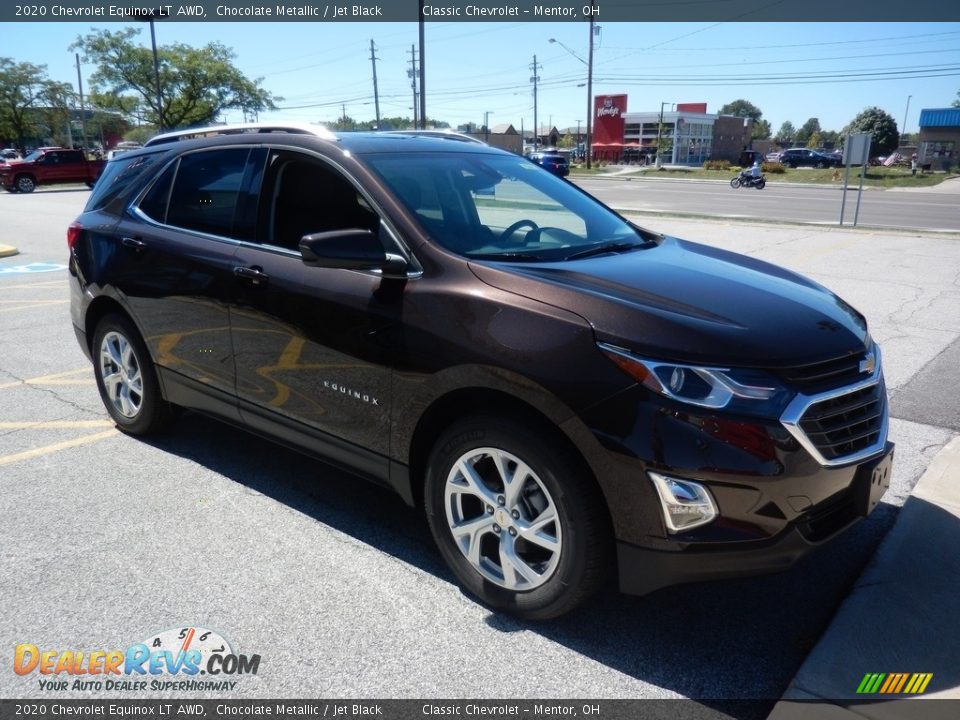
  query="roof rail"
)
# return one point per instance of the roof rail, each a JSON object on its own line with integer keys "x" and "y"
{"x": 240, "y": 128}
{"x": 443, "y": 134}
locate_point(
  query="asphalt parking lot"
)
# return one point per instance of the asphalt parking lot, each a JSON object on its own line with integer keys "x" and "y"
{"x": 108, "y": 540}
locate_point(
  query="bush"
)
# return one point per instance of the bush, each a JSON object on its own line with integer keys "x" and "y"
{"x": 772, "y": 167}
{"x": 716, "y": 165}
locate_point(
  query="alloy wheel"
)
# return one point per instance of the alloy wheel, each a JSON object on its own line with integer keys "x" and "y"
{"x": 120, "y": 370}
{"x": 503, "y": 519}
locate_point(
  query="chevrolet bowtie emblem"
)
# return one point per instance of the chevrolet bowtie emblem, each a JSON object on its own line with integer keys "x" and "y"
{"x": 868, "y": 364}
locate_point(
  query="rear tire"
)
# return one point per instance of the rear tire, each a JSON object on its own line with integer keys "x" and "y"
{"x": 126, "y": 378}
{"x": 536, "y": 549}
{"x": 761, "y": 184}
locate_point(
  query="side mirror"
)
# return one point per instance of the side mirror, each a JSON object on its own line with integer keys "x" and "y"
{"x": 353, "y": 249}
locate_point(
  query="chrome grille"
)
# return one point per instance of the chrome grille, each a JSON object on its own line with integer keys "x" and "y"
{"x": 842, "y": 425}
{"x": 830, "y": 372}
{"x": 847, "y": 424}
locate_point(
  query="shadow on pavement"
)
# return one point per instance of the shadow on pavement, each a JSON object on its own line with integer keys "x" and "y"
{"x": 716, "y": 642}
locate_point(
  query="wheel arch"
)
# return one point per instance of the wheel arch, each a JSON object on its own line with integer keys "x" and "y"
{"x": 465, "y": 402}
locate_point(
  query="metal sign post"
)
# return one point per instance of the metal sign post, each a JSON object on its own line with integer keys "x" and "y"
{"x": 856, "y": 150}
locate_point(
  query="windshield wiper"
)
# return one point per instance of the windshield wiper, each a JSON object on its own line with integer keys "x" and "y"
{"x": 604, "y": 248}
{"x": 505, "y": 256}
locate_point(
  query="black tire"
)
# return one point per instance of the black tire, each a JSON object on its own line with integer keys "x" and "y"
{"x": 143, "y": 410}
{"x": 821, "y": 165}
{"x": 581, "y": 529}
{"x": 25, "y": 184}
{"x": 735, "y": 183}
{"x": 90, "y": 184}
{"x": 761, "y": 184}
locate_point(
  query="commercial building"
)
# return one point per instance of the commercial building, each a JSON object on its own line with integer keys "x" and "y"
{"x": 939, "y": 137}
{"x": 687, "y": 133}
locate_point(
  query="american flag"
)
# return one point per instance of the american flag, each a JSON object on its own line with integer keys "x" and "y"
{"x": 892, "y": 160}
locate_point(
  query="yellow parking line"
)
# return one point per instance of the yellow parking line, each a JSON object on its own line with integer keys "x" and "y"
{"x": 55, "y": 379}
{"x": 56, "y": 447}
{"x": 54, "y": 424}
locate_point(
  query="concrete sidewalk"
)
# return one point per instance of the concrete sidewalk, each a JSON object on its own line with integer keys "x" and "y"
{"x": 902, "y": 616}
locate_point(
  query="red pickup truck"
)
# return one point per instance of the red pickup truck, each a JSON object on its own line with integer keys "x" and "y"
{"x": 49, "y": 166}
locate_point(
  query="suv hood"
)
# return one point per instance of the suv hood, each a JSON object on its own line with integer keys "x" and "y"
{"x": 692, "y": 303}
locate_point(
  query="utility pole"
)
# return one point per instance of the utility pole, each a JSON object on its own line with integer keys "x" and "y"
{"x": 903, "y": 133}
{"x": 343, "y": 116}
{"x": 535, "y": 79}
{"x": 376, "y": 95}
{"x": 412, "y": 74}
{"x": 589, "y": 150}
{"x": 423, "y": 73}
{"x": 577, "y": 153}
{"x": 83, "y": 111}
{"x": 486, "y": 125}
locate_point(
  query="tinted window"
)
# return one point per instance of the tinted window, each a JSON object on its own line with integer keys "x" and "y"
{"x": 205, "y": 191}
{"x": 117, "y": 177}
{"x": 302, "y": 195}
{"x": 154, "y": 203}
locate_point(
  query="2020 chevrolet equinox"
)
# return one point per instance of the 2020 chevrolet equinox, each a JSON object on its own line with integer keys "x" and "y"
{"x": 562, "y": 392}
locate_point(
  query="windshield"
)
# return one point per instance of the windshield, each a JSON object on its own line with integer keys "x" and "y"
{"x": 501, "y": 207}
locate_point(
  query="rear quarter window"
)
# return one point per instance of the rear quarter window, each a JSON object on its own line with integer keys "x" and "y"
{"x": 117, "y": 177}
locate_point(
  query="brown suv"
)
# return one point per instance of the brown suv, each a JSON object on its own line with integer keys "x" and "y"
{"x": 562, "y": 392}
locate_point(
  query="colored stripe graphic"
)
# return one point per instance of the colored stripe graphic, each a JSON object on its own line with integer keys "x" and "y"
{"x": 894, "y": 683}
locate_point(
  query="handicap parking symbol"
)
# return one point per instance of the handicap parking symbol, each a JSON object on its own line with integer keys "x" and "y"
{"x": 37, "y": 267}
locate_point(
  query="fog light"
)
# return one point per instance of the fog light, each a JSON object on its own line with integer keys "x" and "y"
{"x": 686, "y": 504}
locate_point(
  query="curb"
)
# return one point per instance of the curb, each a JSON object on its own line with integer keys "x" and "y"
{"x": 902, "y": 615}
{"x": 8, "y": 251}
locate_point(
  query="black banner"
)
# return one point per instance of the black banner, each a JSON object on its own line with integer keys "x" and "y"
{"x": 646, "y": 11}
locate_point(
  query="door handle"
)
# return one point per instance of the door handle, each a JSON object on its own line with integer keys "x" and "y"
{"x": 254, "y": 274}
{"x": 135, "y": 243}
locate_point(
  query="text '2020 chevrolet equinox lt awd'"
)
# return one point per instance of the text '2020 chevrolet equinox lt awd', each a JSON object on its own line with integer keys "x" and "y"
{"x": 561, "y": 391}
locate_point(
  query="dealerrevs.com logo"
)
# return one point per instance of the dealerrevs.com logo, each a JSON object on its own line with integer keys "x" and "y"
{"x": 174, "y": 659}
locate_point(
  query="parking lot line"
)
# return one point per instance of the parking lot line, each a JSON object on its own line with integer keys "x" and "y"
{"x": 54, "y": 424}
{"x": 55, "y": 379}
{"x": 30, "y": 286}
{"x": 56, "y": 447}
{"x": 27, "y": 304}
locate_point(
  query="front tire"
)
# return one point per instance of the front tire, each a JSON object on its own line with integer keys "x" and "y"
{"x": 735, "y": 183}
{"x": 521, "y": 525}
{"x": 126, "y": 378}
{"x": 25, "y": 184}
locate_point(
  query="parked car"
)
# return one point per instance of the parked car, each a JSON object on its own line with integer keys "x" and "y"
{"x": 773, "y": 156}
{"x": 561, "y": 391}
{"x": 8, "y": 155}
{"x": 553, "y": 162}
{"x": 49, "y": 166}
{"x": 802, "y": 157}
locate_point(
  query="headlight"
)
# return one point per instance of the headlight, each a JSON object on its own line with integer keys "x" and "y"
{"x": 750, "y": 391}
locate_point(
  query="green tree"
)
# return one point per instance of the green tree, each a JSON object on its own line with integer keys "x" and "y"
{"x": 814, "y": 141}
{"x": 786, "y": 133}
{"x": 25, "y": 94}
{"x": 742, "y": 108}
{"x": 806, "y": 130}
{"x": 761, "y": 130}
{"x": 567, "y": 141}
{"x": 885, "y": 137}
{"x": 197, "y": 84}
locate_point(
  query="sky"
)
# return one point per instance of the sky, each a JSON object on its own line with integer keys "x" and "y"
{"x": 791, "y": 71}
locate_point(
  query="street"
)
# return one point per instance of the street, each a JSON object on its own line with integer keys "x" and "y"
{"x": 336, "y": 584}
{"x": 919, "y": 209}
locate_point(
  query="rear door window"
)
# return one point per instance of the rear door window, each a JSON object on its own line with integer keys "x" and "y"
{"x": 205, "y": 191}
{"x": 117, "y": 176}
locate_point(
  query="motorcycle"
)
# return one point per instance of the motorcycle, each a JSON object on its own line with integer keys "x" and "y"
{"x": 745, "y": 179}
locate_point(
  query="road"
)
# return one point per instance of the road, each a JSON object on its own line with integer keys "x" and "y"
{"x": 911, "y": 209}
{"x": 107, "y": 540}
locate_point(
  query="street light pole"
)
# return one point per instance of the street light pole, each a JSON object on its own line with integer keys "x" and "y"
{"x": 156, "y": 74}
{"x": 659, "y": 162}
{"x": 905, "y": 112}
